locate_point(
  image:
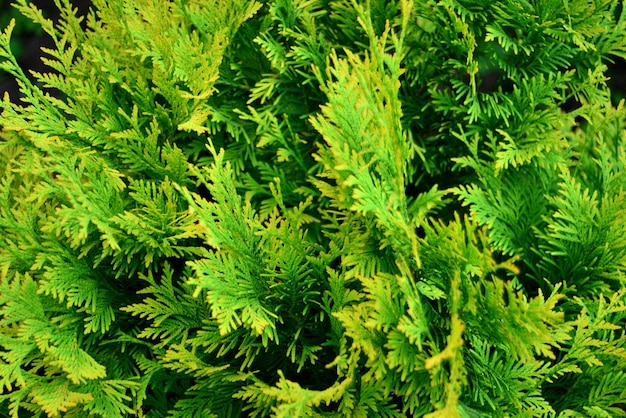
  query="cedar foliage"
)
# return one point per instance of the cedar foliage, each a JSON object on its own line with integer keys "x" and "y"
{"x": 299, "y": 208}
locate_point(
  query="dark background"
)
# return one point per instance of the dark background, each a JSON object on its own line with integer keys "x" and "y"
{"x": 28, "y": 40}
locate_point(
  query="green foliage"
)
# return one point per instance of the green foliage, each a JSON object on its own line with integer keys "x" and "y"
{"x": 24, "y": 28}
{"x": 309, "y": 208}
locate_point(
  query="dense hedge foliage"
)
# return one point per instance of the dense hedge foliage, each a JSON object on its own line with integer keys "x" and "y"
{"x": 299, "y": 208}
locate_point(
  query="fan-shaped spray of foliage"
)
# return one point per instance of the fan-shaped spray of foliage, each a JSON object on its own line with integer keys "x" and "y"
{"x": 309, "y": 208}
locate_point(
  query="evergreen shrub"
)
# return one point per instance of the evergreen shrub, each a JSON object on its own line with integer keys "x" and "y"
{"x": 315, "y": 208}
